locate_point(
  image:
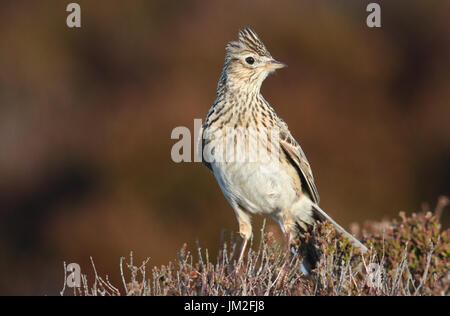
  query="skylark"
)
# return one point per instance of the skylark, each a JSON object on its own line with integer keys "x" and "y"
{"x": 282, "y": 186}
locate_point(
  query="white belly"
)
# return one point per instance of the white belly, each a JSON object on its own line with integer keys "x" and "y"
{"x": 258, "y": 188}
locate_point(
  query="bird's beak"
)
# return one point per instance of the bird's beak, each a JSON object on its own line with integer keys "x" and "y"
{"x": 275, "y": 64}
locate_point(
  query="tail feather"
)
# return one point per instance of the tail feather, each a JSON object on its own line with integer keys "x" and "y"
{"x": 324, "y": 216}
{"x": 309, "y": 249}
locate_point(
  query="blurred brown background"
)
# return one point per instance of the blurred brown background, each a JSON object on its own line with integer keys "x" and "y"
{"x": 86, "y": 117}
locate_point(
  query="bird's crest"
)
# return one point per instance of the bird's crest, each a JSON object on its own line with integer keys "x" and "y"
{"x": 248, "y": 40}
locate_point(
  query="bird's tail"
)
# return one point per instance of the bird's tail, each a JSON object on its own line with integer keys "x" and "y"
{"x": 308, "y": 247}
{"x": 324, "y": 216}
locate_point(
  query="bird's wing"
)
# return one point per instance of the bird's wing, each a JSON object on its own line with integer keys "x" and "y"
{"x": 298, "y": 158}
{"x": 200, "y": 146}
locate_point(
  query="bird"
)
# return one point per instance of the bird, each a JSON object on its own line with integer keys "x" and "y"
{"x": 280, "y": 186}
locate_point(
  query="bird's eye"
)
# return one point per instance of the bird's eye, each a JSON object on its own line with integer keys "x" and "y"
{"x": 249, "y": 60}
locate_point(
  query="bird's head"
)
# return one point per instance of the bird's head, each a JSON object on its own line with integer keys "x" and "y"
{"x": 248, "y": 62}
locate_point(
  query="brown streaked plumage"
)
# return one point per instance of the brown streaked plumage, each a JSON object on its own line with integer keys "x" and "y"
{"x": 282, "y": 186}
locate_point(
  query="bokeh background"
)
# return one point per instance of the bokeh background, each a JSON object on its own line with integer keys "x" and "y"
{"x": 86, "y": 117}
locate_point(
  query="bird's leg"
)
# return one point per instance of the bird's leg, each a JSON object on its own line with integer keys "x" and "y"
{"x": 245, "y": 230}
{"x": 288, "y": 226}
{"x": 243, "y": 247}
{"x": 288, "y": 241}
